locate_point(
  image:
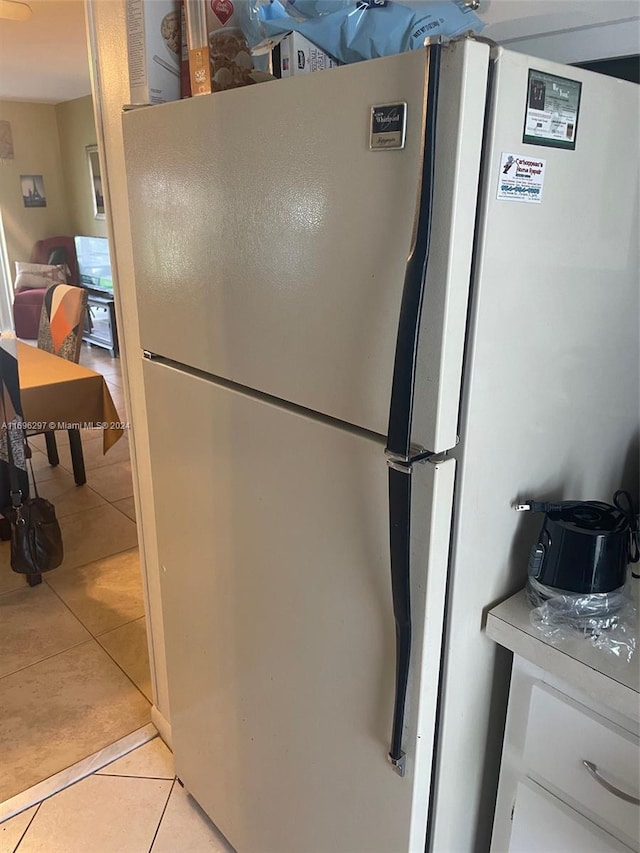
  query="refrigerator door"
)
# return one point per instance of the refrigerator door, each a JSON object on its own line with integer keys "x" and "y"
{"x": 271, "y": 243}
{"x": 273, "y": 532}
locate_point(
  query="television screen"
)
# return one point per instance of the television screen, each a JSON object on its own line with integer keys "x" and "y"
{"x": 94, "y": 265}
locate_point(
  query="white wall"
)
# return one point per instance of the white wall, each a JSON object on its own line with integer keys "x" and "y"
{"x": 564, "y": 30}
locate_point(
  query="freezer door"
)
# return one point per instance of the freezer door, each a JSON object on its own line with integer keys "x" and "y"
{"x": 271, "y": 243}
{"x": 273, "y": 533}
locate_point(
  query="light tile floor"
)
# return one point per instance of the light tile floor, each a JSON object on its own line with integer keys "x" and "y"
{"x": 133, "y": 805}
{"x": 74, "y": 668}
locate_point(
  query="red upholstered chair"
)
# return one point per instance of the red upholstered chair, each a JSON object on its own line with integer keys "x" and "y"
{"x": 27, "y": 307}
{"x": 57, "y": 250}
{"x": 27, "y": 304}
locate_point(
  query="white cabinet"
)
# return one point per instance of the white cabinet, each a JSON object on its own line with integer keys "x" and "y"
{"x": 570, "y": 774}
{"x": 542, "y": 823}
{"x": 561, "y": 736}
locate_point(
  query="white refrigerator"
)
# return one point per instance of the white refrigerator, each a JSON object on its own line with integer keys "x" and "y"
{"x": 367, "y": 333}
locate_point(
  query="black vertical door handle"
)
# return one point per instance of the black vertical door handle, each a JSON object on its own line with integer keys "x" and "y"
{"x": 400, "y": 541}
{"x": 399, "y": 449}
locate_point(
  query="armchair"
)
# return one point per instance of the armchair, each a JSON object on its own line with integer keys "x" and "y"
{"x": 27, "y": 304}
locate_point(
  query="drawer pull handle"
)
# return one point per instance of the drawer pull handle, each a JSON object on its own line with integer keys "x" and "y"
{"x": 593, "y": 771}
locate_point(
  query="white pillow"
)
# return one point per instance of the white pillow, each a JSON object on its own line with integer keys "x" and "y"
{"x": 32, "y": 276}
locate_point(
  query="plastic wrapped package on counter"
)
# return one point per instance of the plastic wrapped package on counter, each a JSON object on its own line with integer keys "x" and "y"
{"x": 608, "y": 620}
{"x": 356, "y": 30}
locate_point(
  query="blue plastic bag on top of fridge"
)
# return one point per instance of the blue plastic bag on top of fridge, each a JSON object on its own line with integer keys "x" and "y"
{"x": 355, "y": 30}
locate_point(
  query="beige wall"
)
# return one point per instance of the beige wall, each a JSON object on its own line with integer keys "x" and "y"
{"x": 36, "y": 147}
{"x": 76, "y": 127}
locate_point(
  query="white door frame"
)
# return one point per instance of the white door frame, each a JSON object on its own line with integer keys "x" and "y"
{"x": 107, "y": 47}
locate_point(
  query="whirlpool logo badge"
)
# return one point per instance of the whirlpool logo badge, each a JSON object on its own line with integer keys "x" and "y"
{"x": 388, "y": 126}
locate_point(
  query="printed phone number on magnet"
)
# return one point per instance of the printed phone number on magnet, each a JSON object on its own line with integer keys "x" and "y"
{"x": 62, "y": 425}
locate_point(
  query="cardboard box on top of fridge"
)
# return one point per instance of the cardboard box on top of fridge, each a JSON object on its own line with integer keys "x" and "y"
{"x": 297, "y": 55}
{"x": 153, "y": 46}
{"x": 231, "y": 62}
{"x": 292, "y": 53}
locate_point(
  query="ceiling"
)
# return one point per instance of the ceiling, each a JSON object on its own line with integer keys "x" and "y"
{"x": 45, "y": 59}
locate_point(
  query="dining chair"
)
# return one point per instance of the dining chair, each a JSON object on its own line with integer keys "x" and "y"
{"x": 61, "y": 323}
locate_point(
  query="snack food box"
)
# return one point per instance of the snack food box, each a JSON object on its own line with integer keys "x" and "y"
{"x": 231, "y": 62}
{"x": 295, "y": 54}
{"x": 154, "y": 47}
{"x": 219, "y": 55}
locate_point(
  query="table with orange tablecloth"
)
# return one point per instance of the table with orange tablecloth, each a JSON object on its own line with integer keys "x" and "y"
{"x": 59, "y": 394}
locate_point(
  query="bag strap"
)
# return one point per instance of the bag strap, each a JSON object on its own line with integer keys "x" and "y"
{"x": 14, "y": 482}
{"x": 29, "y": 456}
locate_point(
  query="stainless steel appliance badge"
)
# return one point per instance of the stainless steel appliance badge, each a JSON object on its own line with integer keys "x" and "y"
{"x": 388, "y": 126}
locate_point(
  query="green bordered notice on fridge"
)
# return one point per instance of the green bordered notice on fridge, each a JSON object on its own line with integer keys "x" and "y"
{"x": 551, "y": 114}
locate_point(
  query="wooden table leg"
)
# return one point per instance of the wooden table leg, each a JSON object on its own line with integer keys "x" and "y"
{"x": 77, "y": 457}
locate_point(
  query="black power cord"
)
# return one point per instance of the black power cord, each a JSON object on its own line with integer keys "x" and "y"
{"x": 627, "y": 509}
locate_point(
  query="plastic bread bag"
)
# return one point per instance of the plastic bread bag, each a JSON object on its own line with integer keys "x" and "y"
{"x": 355, "y": 30}
{"x": 608, "y": 620}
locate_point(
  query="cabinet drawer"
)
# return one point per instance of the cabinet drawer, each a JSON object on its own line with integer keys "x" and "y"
{"x": 561, "y": 735}
{"x": 543, "y": 824}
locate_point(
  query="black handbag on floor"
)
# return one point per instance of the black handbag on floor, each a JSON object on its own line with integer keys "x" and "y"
{"x": 36, "y": 538}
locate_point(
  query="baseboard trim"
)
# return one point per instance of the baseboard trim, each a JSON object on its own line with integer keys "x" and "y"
{"x": 163, "y": 725}
{"x": 70, "y": 775}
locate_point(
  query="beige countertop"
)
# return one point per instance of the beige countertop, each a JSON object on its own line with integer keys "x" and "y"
{"x": 602, "y": 675}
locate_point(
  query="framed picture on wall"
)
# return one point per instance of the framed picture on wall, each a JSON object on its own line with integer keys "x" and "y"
{"x": 33, "y": 191}
{"x": 96, "y": 181}
{"x": 6, "y": 141}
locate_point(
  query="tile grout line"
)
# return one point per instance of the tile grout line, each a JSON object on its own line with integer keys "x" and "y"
{"x": 155, "y": 834}
{"x": 126, "y": 674}
{"x": 90, "y": 639}
{"x": 97, "y": 560}
{"x": 93, "y": 489}
{"x": 93, "y": 509}
{"x": 52, "y": 785}
{"x": 27, "y": 828}
{"x": 122, "y": 512}
{"x": 125, "y": 776}
{"x": 117, "y": 628}
{"x": 75, "y": 615}
{"x": 94, "y": 637}
{"x": 18, "y": 588}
